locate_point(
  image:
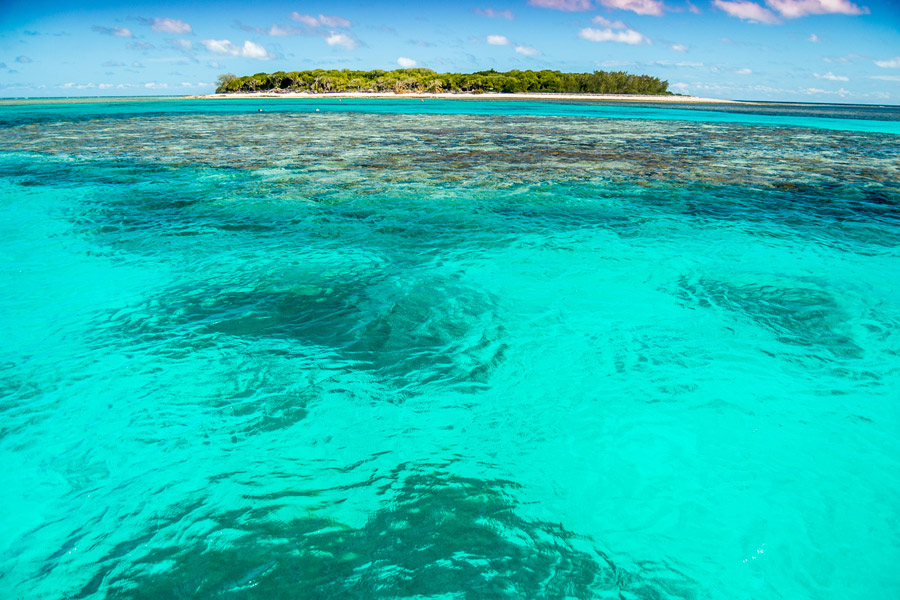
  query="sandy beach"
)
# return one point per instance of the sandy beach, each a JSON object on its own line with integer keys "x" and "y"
{"x": 466, "y": 96}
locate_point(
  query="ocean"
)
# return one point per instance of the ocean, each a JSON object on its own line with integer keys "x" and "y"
{"x": 449, "y": 349}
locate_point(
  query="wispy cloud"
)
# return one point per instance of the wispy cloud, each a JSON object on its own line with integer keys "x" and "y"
{"x": 407, "y": 63}
{"x": 680, "y": 63}
{"x": 614, "y": 31}
{"x": 321, "y": 20}
{"x": 282, "y": 31}
{"x": 817, "y": 92}
{"x": 846, "y": 60}
{"x": 641, "y": 7}
{"x": 624, "y": 36}
{"x": 167, "y": 25}
{"x": 115, "y": 31}
{"x": 891, "y": 63}
{"x": 498, "y": 40}
{"x": 31, "y": 33}
{"x": 495, "y": 14}
{"x": 678, "y": 47}
{"x": 831, "y": 77}
{"x": 886, "y": 77}
{"x": 744, "y": 71}
{"x": 788, "y": 9}
{"x": 23, "y": 59}
{"x": 305, "y": 19}
{"x": 113, "y": 63}
{"x": 181, "y": 43}
{"x": 527, "y": 51}
{"x": 566, "y": 5}
{"x": 341, "y": 39}
{"x": 334, "y": 21}
{"x": 792, "y": 9}
{"x": 248, "y": 50}
{"x": 140, "y": 45}
{"x": 813, "y": 38}
{"x": 747, "y": 11}
{"x": 275, "y": 30}
{"x": 607, "y": 23}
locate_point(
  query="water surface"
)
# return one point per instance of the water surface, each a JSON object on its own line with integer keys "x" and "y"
{"x": 449, "y": 349}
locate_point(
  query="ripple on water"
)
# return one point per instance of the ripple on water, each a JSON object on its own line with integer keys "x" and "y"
{"x": 798, "y": 314}
{"x": 433, "y": 534}
{"x": 406, "y": 332}
{"x": 676, "y": 338}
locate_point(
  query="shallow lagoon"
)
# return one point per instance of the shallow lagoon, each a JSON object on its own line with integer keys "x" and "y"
{"x": 449, "y": 349}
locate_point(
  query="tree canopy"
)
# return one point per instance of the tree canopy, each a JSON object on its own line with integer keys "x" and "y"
{"x": 427, "y": 81}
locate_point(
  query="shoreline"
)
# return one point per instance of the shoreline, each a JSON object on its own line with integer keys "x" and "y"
{"x": 469, "y": 96}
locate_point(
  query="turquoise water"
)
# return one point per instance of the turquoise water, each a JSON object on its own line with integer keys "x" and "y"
{"x": 459, "y": 350}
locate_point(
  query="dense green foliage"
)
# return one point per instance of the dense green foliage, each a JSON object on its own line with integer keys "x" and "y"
{"x": 425, "y": 80}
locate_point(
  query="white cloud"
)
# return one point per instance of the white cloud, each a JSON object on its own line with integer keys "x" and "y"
{"x": 681, "y": 63}
{"x": 747, "y": 11}
{"x": 679, "y": 47}
{"x": 814, "y": 38}
{"x": 116, "y": 31}
{"x": 607, "y": 23}
{"x": 628, "y": 36}
{"x": 248, "y": 50}
{"x": 186, "y": 44}
{"x": 891, "y": 63}
{"x": 816, "y": 91}
{"x": 566, "y": 5}
{"x": 847, "y": 59}
{"x": 305, "y": 19}
{"x": 498, "y": 40}
{"x": 166, "y": 25}
{"x": 492, "y": 13}
{"x": 886, "y": 77}
{"x": 282, "y": 31}
{"x": 341, "y": 39}
{"x": 791, "y": 9}
{"x": 744, "y": 71}
{"x": 407, "y": 63}
{"x": 332, "y": 21}
{"x": 641, "y": 7}
{"x": 527, "y": 51}
{"x": 831, "y": 77}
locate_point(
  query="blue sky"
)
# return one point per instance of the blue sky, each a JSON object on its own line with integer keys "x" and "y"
{"x": 792, "y": 50}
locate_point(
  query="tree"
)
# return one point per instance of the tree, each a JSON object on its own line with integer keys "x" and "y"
{"x": 407, "y": 80}
{"x": 223, "y": 80}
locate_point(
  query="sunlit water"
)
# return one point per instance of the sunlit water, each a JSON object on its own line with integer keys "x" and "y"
{"x": 395, "y": 349}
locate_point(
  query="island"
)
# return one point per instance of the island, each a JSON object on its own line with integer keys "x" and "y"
{"x": 427, "y": 81}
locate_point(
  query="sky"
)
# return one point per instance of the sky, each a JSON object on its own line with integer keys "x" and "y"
{"x": 844, "y": 51}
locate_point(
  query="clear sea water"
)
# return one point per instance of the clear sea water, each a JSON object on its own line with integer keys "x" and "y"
{"x": 448, "y": 349}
